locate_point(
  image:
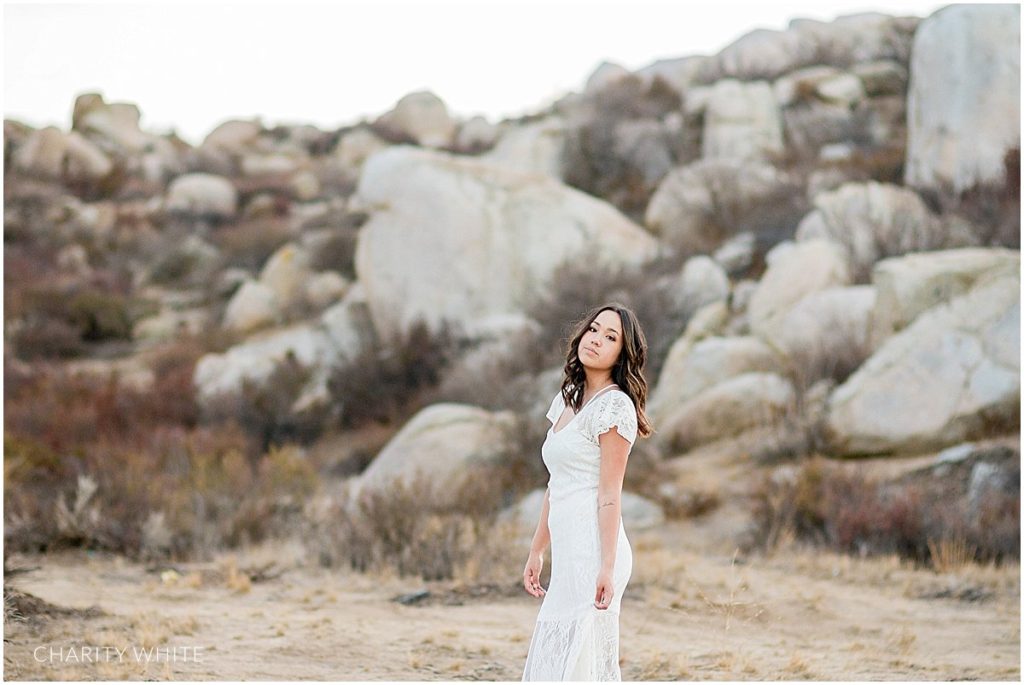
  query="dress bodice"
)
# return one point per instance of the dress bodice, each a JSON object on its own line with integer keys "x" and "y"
{"x": 572, "y": 455}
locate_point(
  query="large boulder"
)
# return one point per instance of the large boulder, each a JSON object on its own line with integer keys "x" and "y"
{"x": 53, "y": 154}
{"x": 700, "y": 205}
{"x": 915, "y": 283}
{"x": 168, "y": 324}
{"x": 340, "y": 334}
{"x": 951, "y": 375}
{"x": 356, "y": 146}
{"x": 742, "y": 121}
{"x": 252, "y": 307}
{"x": 202, "y": 195}
{"x": 534, "y": 148}
{"x": 234, "y": 135}
{"x": 443, "y": 443}
{"x": 701, "y": 280}
{"x": 874, "y": 220}
{"x": 963, "y": 104}
{"x": 451, "y": 238}
{"x": 847, "y": 40}
{"x": 693, "y": 367}
{"x": 678, "y": 72}
{"x": 605, "y": 74}
{"x": 826, "y": 333}
{"x": 475, "y": 134}
{"x": 116, "y": 123}
{"x": 422, "y": 116}
{"x": 738, "y": 404}
{"x": 286, "y": 273}
{"x": 794, "y": 271}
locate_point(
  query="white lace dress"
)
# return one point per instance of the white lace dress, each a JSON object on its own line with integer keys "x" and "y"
{"x": 573, "y": 639}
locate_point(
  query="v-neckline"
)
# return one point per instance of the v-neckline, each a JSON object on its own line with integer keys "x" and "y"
{"x": 596, "y": 395}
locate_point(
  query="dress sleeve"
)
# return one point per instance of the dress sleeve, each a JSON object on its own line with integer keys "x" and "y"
{"x": 614, "y": 409}
{"x": 555, "y": 410}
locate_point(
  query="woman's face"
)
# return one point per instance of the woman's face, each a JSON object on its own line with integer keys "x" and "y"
{"x": 602, "y": 342}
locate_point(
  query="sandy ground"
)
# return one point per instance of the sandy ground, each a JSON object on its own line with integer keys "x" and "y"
{"x": 691, "y": 615}
{"x": 692, "y": 611}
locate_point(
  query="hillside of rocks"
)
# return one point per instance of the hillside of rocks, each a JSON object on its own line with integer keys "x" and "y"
{"x": 819, "y": 228}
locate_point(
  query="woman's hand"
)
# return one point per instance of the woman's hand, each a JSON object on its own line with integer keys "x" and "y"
{"x": 605, "y": 590}
{"x": 531, "y": 575}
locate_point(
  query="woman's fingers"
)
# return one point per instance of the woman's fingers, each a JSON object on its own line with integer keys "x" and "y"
{"x": 532, "y": 583}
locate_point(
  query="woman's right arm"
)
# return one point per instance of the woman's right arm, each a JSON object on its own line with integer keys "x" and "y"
{"x": 535, "y": 563}
{"x": 542, "y": 536}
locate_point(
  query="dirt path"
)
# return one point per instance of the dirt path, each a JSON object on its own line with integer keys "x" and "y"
{"x": 693, "y": 614}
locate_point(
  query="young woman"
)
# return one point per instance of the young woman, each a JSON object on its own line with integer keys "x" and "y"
{"x": 595, "y": 419}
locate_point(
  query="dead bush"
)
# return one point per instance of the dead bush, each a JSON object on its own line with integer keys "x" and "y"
{"x": 577, "y": 286}
{"x": 595, "y": 161}
{"x": 409, "y": 527}
{"x": 249, "y": 243}
{"x": 266, "y": 409}
{"x": 62, "y": 322}
{"x": 385, "y": 384}
{"x": 843, "y": 509}
{"x": 418, "y": 526}
{"x": 338, "y": 252}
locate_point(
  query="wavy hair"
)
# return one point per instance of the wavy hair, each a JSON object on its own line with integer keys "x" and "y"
{"x": 628, "y": 369}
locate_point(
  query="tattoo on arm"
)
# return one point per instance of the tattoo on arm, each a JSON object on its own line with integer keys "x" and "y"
{"x": 608, "y": 503}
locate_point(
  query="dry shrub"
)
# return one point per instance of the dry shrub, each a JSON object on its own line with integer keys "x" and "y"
{"x": 993, "y": 209}
{"x": 248, "y": 243}
{"x": 841, "y": 508}
{"x": 813, "y": 369}
{"x": 593, "y": 160}
{"x": 172, "y": 399}
{"x": 47, "y": 339}
{"x": 66, "y": 412}
{"x": 417, "y": 528}
{"x": 577, "y": 286}
{"x": 338, "y": 252}
{"x": 183, "y": 495}
{"x": 648, "y": 476}
{"x": 882, "y": 163}
{"x": 266, "y": 409}
{"x": 771, "y": 215}
{"x": 89, "y": 462}
{"x": 386, "y": 384}
{"x": 505, "y": 379}
{"x": 59, "y": 322}
{"x": 418, "y": 525}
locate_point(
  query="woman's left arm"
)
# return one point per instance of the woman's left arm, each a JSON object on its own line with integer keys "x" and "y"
{"x": 614, "y": 453}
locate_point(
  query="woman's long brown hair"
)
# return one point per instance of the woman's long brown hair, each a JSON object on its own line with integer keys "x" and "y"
{"x": 628, "y": 369}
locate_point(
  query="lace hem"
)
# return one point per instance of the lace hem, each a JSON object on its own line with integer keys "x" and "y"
{"x": 585, "y": 648}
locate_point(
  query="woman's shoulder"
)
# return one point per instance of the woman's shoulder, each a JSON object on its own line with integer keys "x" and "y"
{"x": 622, "y": 395}
{"x": 615, "y": 401}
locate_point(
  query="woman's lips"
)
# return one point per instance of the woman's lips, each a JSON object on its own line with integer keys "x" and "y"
{"x": 591, "y": 351}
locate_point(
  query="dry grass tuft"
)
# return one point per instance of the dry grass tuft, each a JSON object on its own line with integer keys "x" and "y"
{"x": 662, "y": 666}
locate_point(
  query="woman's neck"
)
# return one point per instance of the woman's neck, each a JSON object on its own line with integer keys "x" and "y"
{"x": 594, "y": 383}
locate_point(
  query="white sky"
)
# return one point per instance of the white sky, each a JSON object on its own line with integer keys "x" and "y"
{"x": 190, "y": 66}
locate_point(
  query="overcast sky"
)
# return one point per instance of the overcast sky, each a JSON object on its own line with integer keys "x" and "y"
{"x": 190, "y": 66}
